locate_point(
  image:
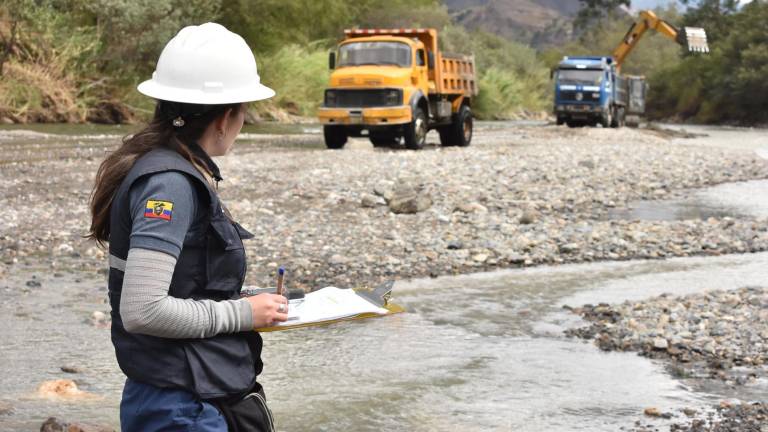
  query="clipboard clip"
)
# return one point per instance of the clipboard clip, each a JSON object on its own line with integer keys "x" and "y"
{"x": 380, "y": 295}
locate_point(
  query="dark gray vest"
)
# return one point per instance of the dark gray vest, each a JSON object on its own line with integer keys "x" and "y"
{"x": 211, "y": 265}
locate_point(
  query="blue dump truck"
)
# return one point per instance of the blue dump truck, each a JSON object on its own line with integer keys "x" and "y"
{"x": 590, "y": 91}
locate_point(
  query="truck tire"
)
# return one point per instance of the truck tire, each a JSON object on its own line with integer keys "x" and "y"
{"x": 607, "y": 120}
{"x": 616, "y": 120}
{"x": 459, "y": 132}
{"x": 416, "y": 131}
{"x": 622, "y": 117}
{"x": 335, "y": 136}
{"x": 384, "y": 140}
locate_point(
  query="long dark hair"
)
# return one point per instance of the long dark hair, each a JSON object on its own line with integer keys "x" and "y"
{"x": 160, "y": 132}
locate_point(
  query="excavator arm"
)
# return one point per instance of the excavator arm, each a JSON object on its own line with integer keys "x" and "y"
{"x": 693, "y": 38}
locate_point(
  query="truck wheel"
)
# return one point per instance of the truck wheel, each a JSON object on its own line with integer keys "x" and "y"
{"x": 384, "y": 140}
{"x": 335, "y": 136}
{"x": 621, "y": 117}
{"x": 607, "y": 119}
{"x": 616, "y": 120}
{"x": 459, "y": 132}
{"x": 416, "y": 132}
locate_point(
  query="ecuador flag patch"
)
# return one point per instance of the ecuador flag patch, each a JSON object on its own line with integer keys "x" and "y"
{"x": 158, "y": 209}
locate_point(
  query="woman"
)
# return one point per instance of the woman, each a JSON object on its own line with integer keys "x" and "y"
{"x": 182, "y": 335}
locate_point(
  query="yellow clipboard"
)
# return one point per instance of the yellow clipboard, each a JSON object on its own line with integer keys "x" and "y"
{"x": 390, "y": 307}
{"x": 379, "y": 296}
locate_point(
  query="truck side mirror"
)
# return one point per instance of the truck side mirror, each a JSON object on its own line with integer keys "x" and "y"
{"x": 430, "y": 59}
{"x": 331, "y": 60}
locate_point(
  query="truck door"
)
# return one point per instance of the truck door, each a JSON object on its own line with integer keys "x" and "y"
{"x": 420, "y": 72}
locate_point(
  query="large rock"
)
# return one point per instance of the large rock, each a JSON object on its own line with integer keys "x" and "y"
{"x": 370, "y": 201}
{"x": 406, "y": 199}
{"x": 55, "y": 425}
{"x": 471, "y": 207}
{"x": 62, "y": 389}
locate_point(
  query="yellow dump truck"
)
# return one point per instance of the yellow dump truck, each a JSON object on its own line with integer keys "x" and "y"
{"x": 395, "y": 83}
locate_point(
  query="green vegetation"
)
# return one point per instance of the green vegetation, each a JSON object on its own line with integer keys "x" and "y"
{"x": 80, "y": 60}
{"x": 729, "y": 85}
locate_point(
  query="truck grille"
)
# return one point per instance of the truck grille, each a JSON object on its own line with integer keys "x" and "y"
{"x": 569, "y": 95}
{"x": 362, "y": 98}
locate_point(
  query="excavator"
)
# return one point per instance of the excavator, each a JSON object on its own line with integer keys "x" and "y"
{"x": 591, "y": 90}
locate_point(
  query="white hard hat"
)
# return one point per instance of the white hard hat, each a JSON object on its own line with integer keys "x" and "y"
{"x": 208, "y": 65}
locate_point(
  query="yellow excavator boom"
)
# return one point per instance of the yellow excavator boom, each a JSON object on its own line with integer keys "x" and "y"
{"x": 693, "y": 38}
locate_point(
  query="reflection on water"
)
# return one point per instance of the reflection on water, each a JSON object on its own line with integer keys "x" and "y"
{"x": 478, "y": 352}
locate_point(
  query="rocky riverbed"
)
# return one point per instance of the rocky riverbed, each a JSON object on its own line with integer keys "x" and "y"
{"x": 519, "y": 196}
{"x": 725, "y": 417}
{"x": 719, "y": 335}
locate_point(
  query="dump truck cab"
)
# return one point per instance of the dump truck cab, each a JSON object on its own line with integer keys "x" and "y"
{"x": 386, "y": 85}
{"x": 588, "y": 91}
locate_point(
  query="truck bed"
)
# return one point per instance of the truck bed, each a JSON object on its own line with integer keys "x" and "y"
{"x": 455, "y": 74}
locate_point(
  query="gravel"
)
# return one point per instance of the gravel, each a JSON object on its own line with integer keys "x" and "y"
{"x": 726, "y": 417}
{"x": 519, "y": 196}
{"x": 718, "y": 334}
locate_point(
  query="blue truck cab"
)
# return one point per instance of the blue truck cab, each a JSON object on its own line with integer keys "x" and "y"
{"x": 588, "y": 91}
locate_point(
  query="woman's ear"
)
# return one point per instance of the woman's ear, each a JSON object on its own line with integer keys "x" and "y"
{"x": 222, "y": 121}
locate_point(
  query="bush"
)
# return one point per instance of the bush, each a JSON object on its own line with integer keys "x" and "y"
{"x": 299, "y": 75}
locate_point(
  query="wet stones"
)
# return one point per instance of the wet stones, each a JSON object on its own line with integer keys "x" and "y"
{"x": 71, "y": 369}
{"x": 725, "y": 417}
{"x": 709, "y": 334}
{"x": 62, "y": 389}
{"x": 6, "y": 408}
{"x": 100, "y": 319}
{"x": 53, "y": 424}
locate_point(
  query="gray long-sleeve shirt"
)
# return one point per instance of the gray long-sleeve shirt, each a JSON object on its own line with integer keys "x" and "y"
{"x": 145, "y": 305}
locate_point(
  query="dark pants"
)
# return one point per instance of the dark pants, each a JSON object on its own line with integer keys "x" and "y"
{"x": 146, "y": 408}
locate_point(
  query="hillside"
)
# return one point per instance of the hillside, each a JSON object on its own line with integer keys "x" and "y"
{"x": 540, "y": 23}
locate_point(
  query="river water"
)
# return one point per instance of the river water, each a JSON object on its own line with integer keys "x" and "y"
{"x": 480, "y": 352}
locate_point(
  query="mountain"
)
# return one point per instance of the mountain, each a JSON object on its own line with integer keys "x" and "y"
{"x": 539, "y": 23}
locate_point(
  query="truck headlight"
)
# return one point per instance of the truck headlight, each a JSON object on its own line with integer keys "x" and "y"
{"x": 330, "y": 98}
{"x": 596, "y": 95}
{"x": 392, "y": 97}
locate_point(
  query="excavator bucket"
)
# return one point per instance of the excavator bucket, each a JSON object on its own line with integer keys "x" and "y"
{"x": 695, "y": 39}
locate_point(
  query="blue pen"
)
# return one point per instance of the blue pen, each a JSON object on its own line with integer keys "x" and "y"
{"x": 280, "y": 276}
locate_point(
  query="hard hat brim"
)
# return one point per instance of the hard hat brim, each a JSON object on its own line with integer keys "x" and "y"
{"x": 252, "y": 93}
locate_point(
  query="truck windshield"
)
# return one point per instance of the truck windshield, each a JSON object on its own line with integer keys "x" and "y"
{"x": 375, "y": 53}
{"x": 580, "y": 76}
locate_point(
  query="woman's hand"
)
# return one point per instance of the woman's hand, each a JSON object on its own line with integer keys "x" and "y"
{"x": 268, "y": 309}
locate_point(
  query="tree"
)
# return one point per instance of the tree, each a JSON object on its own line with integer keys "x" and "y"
{"x": 595, "y": 10}
{"x": 712, "y": 15}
